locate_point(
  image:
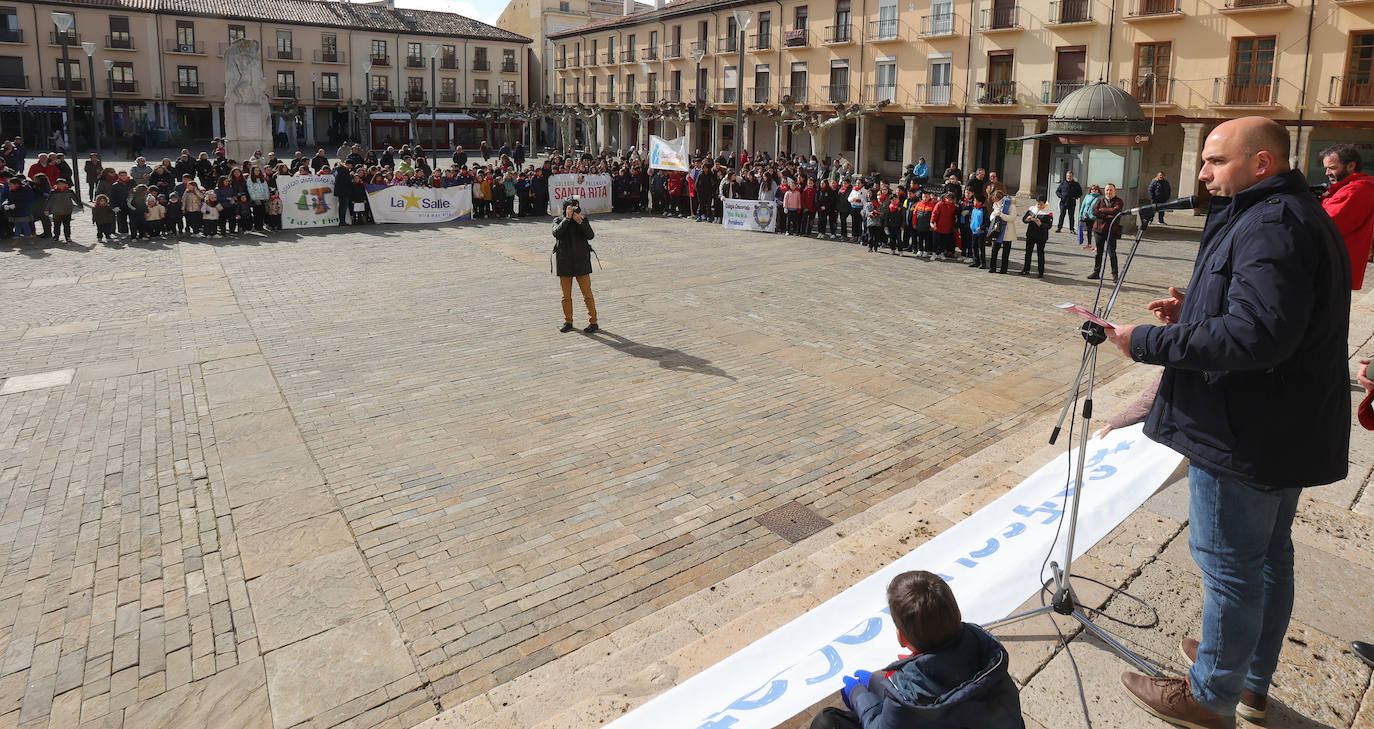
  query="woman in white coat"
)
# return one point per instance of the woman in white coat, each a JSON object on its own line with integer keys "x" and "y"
{"x": 1002, "y": 231}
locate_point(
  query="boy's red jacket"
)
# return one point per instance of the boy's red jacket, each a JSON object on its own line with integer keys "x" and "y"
{"x": 942, "y": 218}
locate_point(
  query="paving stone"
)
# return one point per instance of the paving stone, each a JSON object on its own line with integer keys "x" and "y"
{"x": 293, "y": 544}
{"x": 39, "y": 381}
{"x": 291, "y": 603}
{"x": 310, "y": 677}
{"x": 232, "y": 699}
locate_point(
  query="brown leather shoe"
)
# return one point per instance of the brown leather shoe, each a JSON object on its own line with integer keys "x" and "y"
{"x": 1170, "y": 699}
{"x": 1252, "y": 706}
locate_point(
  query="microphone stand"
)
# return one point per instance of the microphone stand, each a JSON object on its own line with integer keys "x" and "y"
{"x": 1065, "y": 602}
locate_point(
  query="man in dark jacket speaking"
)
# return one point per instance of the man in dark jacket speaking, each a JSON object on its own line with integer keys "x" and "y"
{"x": 1256, "y": 394}
{"x": 573, "y": 261}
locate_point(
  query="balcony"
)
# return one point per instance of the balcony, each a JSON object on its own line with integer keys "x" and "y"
{"x": 285, "y": 91}
{"x": 1153, "y": 10}
{"x": 1355, "y": 91}
{"x": 481, "y": 64}
{"x": 415, "y": 96}
{"x": 415, "y": 61}
{"x": 627, "y": 97}
{"x": 648, "y": 97}
{"x": 1244, "y": 90}
{"x": 11, "y": 35}
{"x": 728, "y": 96}
{"x": 608, "y": 97}
{"x": 8, "y": 81}
{"x": 933, "y": 95}
{"x": 188, "y": 48}
{"x": 510, "y": 67}
{"x": 61, "y": 84}
{"x": 283, "y": 54}
{"x": 119, "y": 42}
{"x": 1053, "y": 92}
{"x": 561, "y": 98}
{"x": 672, "y": 50}
{"x": 760, "y": 41}
{"x": 379, "y": 59}
{"x": 1245, "y": 6}
{"x": 626, "y": 56}
{"x": 1150, "y": 91}
{"x": 513, "y": 99}
{"x": 1070, "y": 12}
{"x": 330, "y": 57}
{"x": 650, "y": 53}
{"x": 937, "y": 26}
{"x": 701, "y": 96}
{"x": 1000, "y": 18}
{"x": 798, "y": 93}
{"x": 328, "y": 94}
{"x": 188, "y": 88}
{"x": 836, "y": 94}
{"x": 70, "y": 38}
{"x": 448, "y": 98}
{"x": 758, "y": 95}
{"x": 450, "y": 63}
{"x": 704, "y": 47}
{"x": 996, "y": 93}
{"x": 839, "y": 34}
{"x": 673, "y": 95}
{"x": 885, "y": 31}
{"x": 874, "y": 94}
{"x": 380, "y": 96}
{"x": 610, "y": 58}
{"x": 123, "y": 87}
{"x": 560, "y": 63}
{"x": 588, "y": 60}
{"x": 796, "y": 38}
{"x": 727, "y": 44}
{"x": 481, "y": 98}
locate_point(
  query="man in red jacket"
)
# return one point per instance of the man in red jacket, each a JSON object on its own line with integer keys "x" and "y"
{"x": 1350, "y": 202}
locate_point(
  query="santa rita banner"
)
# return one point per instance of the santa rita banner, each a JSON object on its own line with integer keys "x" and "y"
{"x": 404, "y": 204}
{"x": 307, "y": 201}
{"x": 593, "y": 192}
{"x": 758, "y": 215}
{"x": 666, "y": 155}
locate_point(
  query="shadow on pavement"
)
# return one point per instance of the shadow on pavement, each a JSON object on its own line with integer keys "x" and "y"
{"x": 671, "y": 359}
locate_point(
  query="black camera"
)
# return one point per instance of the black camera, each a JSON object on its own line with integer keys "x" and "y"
{"x": 577, "y": 209}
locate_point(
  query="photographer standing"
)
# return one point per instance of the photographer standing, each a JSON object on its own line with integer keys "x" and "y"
{"x": 573, "y": 258}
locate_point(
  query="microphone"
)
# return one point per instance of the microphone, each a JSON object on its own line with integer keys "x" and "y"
{"x": 1178, "y": 203}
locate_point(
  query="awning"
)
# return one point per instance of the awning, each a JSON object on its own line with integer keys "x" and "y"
{"x": 37, "y": 104}
{"x": 441, "y": 116}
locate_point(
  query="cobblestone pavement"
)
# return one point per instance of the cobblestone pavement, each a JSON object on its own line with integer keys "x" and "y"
{"x": 351, "y": 478}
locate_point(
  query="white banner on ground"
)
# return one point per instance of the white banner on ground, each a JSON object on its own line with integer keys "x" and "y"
{"x": 749, "y": 215}
{"x": 991, "y": 559}
{"x": 307, "y": 202}
{"x": 666, "y": 155}
{"x": 405, "y": 204}
{"x": 593, "y": 192}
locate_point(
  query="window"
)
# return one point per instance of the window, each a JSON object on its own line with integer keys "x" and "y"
{"x": 941, "y": 17}
{"x": 449, "y": 93}
{"x": 508, "y": 92}
{"x": 1000, "y": 88}
{"x": 188, "y": 80}
{"x": 1070, "y": 71}
{"x": 1252, "y": 72}
{"x": 329, "y": 48}
{"x": 610, "y": 49}
{"x": 186, "y": 36}
{"x": 886, "y": 78}
{"x": 479, "y": 59}
{"x": 893, "y": 136}
{"x": 508, "y": 60}
{"x": 237, "y": 32}
{"x": 764, "y": 38}
{"x": 703, "y": 31}
{"x": 119, "y": 33}
{"x": 122, "y": 77}
{"x": 286, "y": 84}
{"x": 415, "y": 88}
{"x": 1356, "y": 87}
{"x": 564, "y": 7}
{"x": 415, "y": 54}
{"x": 329, "y": 85}
{"x": 653, "y": 87}
{"x": 839, "y": 82}
{"x": 797, "y": 82}
{"x": 379, "y": 54}
{"x": 730, "y": 85}
{"x": 479, "y": 91}
{"x": 284, "y": 49}
{"x": 842, "y": 20}
{"x": 12, "y": 73}
{"x": 799, "y": 18}
{"x": 69, "y": 75}
{"x": 448, "y": 57}
{"x": 762, "y": 83}
{"x": 9, "y": 26}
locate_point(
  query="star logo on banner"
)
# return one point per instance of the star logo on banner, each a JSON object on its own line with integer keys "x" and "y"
{"x": 412, "y": 201}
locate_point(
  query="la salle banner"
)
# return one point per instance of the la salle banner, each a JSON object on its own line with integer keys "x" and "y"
{"x": 308, "y": 202}
{"x": 758, "y": 215}
{"x": 666, "y": 155}
{"x": 593, "y": 192}
{"x": 404, "y": 204}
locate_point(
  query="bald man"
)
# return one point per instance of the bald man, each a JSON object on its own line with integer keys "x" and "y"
{"x": 1256, "y": 394}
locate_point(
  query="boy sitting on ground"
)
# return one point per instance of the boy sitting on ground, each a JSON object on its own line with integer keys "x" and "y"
{"x": 956, "y": 677}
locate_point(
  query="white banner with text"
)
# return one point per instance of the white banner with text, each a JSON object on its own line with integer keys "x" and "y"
{"x": 593, "y": 192}
{"x": 405, "y": 204}
{"x": 666, "y": 155}
{"x": 761, "y": 215}
{"x": 307, "y": 202}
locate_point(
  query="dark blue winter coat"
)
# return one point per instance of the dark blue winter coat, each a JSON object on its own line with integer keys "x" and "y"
{"x": 1255, "y": 383}
{"x": 963, "y": 685}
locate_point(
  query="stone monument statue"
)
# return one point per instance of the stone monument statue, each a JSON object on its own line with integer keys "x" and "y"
{"x": 247, "y": 125}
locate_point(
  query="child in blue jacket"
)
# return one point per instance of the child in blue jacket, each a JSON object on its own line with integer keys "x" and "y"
{"x": 957, "y": 676}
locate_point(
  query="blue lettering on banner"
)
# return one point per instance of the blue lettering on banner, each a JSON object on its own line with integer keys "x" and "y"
{"x": 833, "y": 665}
{"x": 872, "y": 627}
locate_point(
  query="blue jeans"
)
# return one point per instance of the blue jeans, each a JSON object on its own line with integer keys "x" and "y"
{"x": 1241, "y": 540}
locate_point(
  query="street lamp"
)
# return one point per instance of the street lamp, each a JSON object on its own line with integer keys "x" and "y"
{"x": 64, "y": 23}
{"x": 698, "y": 53}
{"x": 367, "y": 103}
{"x": 89, "y": 48}
{"x": 434, "y": 49}
{"x": 314, "y": 79}
{"x": 109, "y": 78}
{"x": 742, "y": 18}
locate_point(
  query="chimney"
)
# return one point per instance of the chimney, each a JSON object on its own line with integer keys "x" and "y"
{"x": 629, "y": 7}
{"x": 658, "y": 4}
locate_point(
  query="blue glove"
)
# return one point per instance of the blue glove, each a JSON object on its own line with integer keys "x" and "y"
{"x": 860, "y": 678}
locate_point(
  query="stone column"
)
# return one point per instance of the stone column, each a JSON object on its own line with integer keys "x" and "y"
{"x": 601, "y": 121}
{"x": 860, "y": 153}
{"x": 1298, "y": 146}
{"x": 643, "y": 134}
{"x": 909, "y": 144}
{"x": 1026, "y": 188}
{"x": 309, "y": 126}
{"x": 1190, "y": 159}
{"x": 215, "y": 110}
{"x": 966, "y": 140}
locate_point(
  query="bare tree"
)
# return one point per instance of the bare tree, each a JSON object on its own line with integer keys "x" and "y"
{"x": 818, "y": 122}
